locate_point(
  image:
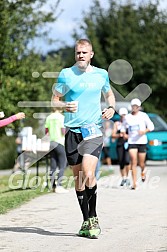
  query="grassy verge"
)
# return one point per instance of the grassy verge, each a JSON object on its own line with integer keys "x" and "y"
{"x": 17, "y": 189}
{"x": 13, "y": 193}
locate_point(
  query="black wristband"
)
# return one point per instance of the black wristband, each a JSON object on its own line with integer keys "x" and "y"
{"x": 111, "y": 107}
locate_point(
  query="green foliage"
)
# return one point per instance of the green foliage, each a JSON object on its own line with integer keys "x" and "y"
{"x": 137, "y": 34}
{"x": 21, "y": 22}
{"x": 7, "y": 152}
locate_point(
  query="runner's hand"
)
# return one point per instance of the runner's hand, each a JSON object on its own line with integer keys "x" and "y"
{"x": 108, "y": 113}
{"x": 72, "y": 106}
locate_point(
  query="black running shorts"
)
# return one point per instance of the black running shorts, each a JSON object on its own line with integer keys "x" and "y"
{"x": 140, "y": 147}
{"x": 76, "y": 147}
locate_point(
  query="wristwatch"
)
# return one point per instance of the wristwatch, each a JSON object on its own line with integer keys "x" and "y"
{"x": 111, "y": 107}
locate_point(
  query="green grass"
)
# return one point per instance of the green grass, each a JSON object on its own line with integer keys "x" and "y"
{"x": 17, "y": 189}
{"x": 13, "y": 193}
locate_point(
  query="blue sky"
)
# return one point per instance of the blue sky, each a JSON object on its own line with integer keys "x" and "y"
{"x": 72, "y": 15}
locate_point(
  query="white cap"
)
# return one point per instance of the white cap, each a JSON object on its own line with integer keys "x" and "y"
{"x": 136, "y": 101}
{"x": 123, "y": 111}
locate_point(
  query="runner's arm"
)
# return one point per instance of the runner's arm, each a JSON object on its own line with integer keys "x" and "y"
{"x": 110, "y": 101}
{"x": 56, "y": 100}
{"x": 67, "y": 106}
{"x": 11, "y": 119}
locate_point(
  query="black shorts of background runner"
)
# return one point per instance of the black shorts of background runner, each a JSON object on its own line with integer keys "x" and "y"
{"x": 123, "y": 156}
{"x": 76, "y": 147}
{"x": 106, "y": 152}
{"x": 140, "y": 147}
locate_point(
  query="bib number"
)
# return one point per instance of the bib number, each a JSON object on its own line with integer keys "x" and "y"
{"x": 90, "y": 131}
{"x": 134, "y": 128}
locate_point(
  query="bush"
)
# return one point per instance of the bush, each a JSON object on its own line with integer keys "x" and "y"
{"x": 7, "y": 152}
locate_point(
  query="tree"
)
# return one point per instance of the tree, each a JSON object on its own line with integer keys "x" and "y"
{"x": 137, "y": 34}
{"x": 21, "y": 22}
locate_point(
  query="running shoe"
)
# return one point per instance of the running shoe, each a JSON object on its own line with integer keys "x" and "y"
{"x": 84, "y": 231}
{"x": 143, "y": 177}
{"x": 133, "y": 188}
{"x": 127, "y": 182}
{"x": 94, "y": 228}
{"x": 123, "y": 182}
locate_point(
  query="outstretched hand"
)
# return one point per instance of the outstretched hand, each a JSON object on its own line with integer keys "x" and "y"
{"x": 20, "y": 115}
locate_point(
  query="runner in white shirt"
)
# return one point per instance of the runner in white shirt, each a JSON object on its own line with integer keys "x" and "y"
{"x": 138, "y": 124}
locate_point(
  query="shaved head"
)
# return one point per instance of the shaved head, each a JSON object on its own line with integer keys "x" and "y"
{"x": 85, "y": 42}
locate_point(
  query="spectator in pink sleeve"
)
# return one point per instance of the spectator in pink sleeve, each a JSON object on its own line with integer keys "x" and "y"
{"x": 11, "y": 119}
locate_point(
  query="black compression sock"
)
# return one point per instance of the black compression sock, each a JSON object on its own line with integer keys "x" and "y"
{"x": 83, "y": 202}
{"x": 92, "y": 196}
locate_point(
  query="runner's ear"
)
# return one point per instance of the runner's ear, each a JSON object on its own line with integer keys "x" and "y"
{"x": 92, "y": 53}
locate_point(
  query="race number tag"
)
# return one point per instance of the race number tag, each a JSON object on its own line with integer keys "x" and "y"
{"x": 90, "y": 131}
{"x": 134, "y": 128}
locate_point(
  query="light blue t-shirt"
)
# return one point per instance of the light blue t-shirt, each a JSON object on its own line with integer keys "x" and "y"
{"x": 86, "y": 88}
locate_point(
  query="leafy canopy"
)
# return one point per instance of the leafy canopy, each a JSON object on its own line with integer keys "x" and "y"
{"x": 21, "y": 22}
{"x": 137, "y": 34}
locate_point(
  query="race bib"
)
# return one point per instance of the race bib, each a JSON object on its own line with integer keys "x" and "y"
{"x": 134, "y": 128}
{"x": 90, "y": 131}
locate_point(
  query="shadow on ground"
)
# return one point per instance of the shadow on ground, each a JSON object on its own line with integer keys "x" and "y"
{"x": 34, "y": 230}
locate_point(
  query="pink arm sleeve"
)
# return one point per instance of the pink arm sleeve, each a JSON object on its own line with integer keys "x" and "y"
{"x": 7, "y": 121}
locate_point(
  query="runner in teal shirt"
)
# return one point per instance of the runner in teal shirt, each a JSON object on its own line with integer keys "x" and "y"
{"x": 81, "y": 87}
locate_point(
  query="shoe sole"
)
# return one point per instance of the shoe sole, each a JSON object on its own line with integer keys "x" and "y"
{"x": 95, "y": 236}
{"x": 83, "y": 235}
